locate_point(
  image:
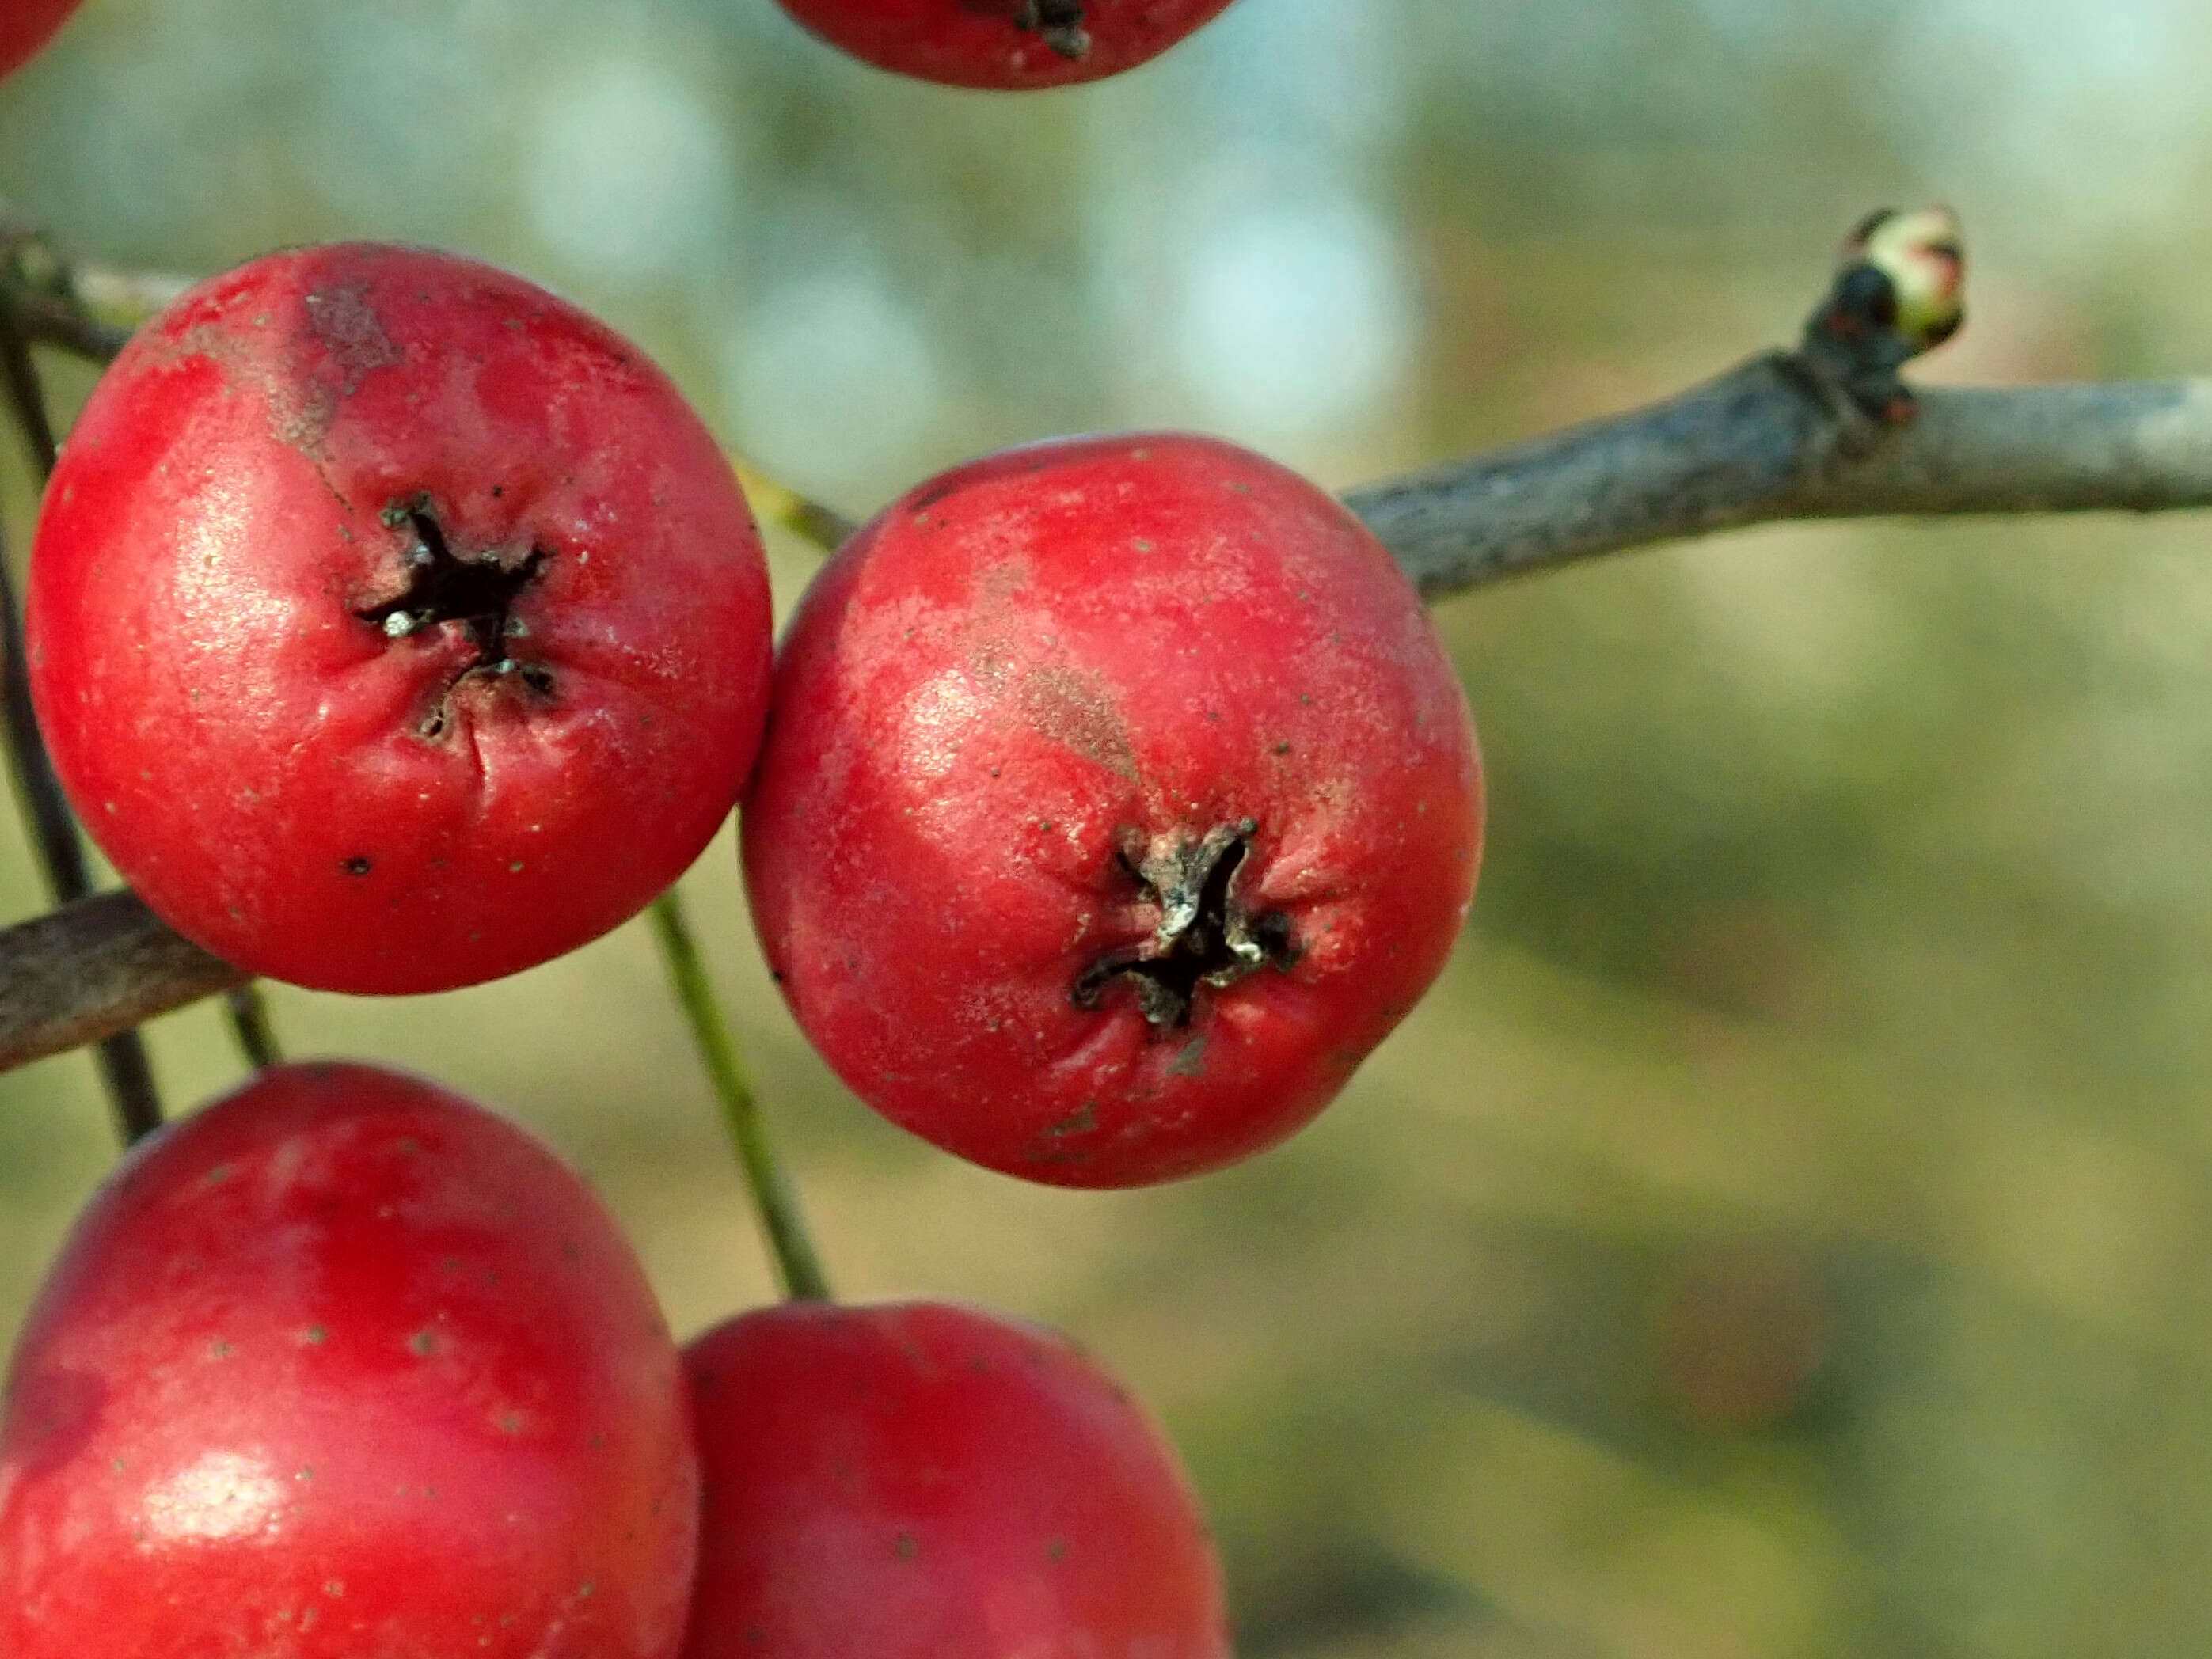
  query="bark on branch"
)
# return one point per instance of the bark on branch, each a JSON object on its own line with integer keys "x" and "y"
{"x": 94, "y": 969}
{"x": 1760, "y": 443}
{"x": 1824, "y": 431}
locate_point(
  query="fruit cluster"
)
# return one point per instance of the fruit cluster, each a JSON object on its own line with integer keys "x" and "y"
{"x": 395, "y": 626}
{"x": 344, "y": 1365}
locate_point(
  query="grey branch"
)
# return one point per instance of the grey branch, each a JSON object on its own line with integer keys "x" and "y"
{"x": 94, "y": 969}
{"x": 1824, "y": 431}
{"x": 1764, "y": 442}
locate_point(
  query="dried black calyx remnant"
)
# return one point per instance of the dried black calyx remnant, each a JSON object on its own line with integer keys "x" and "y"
{"x": 478, "y": 592}
{"x": 1206, "y": 936}
{"x": 1061, "y": 22}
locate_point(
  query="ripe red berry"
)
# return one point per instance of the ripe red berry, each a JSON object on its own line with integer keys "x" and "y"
{"x": 929, "y": 1482}
{"x": 27, "y": 25}
{"x": 1120, "y": 798}
{"x": 394, "y": 625}
{"x": 345, "y": 1366}
{"x": 1004, "y": 45}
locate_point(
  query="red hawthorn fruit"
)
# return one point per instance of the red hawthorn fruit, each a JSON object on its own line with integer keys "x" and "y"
{"x": 27, "y": 25}
{"x": 929, "y": 1482}
{"x": 344, "y": 1365}
{"x": 394, "y": 625}
{"x": 1119, "y": 798}
{"x": 1004, "y": 45}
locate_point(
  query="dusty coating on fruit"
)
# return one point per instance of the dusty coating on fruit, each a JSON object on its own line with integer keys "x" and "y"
{"x": 353, "y": 341}
{"x": 918, "y": 1481}
{"x": 1004, "y": 45}
{"x": 395, "y": 625}
{"x": 1120, "y": 800}
{"x": 343, "y": 1365}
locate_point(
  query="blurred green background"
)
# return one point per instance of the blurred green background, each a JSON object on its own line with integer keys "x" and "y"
{"x": 1783, "y": 1232}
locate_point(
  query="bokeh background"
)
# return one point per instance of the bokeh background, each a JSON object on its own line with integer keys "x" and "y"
{"x": 1784, "y": 1231}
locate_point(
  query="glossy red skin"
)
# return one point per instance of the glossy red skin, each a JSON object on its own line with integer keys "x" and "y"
{"x": 976, "y": 43}
{"x": 27, "y": 25}
{"x": 345, "y": 1367}
{"x": 249, "y": 751}
{"x": 1018, "y": 668}
{"x": 922, "y": 1481}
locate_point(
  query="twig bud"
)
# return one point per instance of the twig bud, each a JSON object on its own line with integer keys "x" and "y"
{"x": 1924, "y": 258}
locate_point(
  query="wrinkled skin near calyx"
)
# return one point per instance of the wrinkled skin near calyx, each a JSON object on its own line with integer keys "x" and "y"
{"x": 1004, "y": 45}
{"x": 27, "y": 25}
{"x": 344, "y": 1366}
{"x": 249, "y": 692}
{"x": 923, "y": 1481}
{"x": 1119, "y": 799}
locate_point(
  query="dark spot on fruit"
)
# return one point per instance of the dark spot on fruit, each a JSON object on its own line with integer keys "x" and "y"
{"x": 356, "y": 866}
{"x": 904, "y": 1547}
{"x": 1081, "y": 1121}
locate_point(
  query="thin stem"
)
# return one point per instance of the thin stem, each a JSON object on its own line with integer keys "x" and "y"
{"x": 66, "y": 327}
{"x": 126, "y": 1071}
{"x": 25, "y": 395}
{"x": 798, "y": 1267}
{"x": 825, "y": 526}
{"x": 249, "y": 1023}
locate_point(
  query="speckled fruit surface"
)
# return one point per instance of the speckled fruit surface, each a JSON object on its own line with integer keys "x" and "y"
{"x": 394, "y": 625}
{"x": 924, "y": 1481}
{"x": 1119, "y": 799}
{"x": 342, "y": 1366}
